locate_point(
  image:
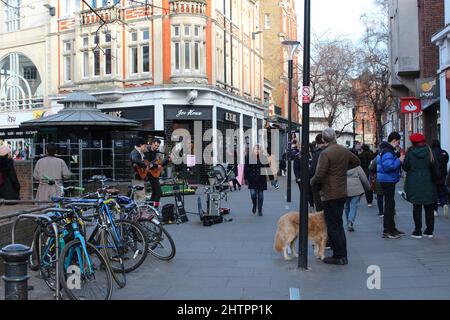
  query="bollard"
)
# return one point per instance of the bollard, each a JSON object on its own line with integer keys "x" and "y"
{"x": 16, "y": 276}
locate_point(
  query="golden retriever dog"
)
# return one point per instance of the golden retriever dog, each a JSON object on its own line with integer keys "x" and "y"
{"x": 287, "y": 233}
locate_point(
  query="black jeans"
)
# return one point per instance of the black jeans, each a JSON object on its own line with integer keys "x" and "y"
{"x": 380, "y": 202}
{"x": 156, "y": 189}
{"x": 389, "y": 206}
{"x": 236, "y": 183}
{"x": 257, "y": 198}
{"x": 317, "y": 201}
{"x": 429, "y": 218}
{"x": 333, "y": 211}
{"x": 310, "y": 195}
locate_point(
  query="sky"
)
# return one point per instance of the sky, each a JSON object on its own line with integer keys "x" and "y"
{"x": 335, "y": 17}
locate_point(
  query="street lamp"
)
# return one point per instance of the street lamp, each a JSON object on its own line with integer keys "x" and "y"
{"x": 363, "y": 114}
{"x": 304, "y": 192}
{"x": 291, "y": 47}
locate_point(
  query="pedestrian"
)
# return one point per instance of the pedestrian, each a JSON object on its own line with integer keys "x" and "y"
{"x": 255, "y": 175}
{"x": 357, "y": 185}
{"x": 366, "y": 157}
{"x": 232, "y": 168}
{"x": 388, "y": 174}
{"x": 9, "y": 184}
{"x": 331, "y": 179}
{"x": 375, "y": 185}
{"x": 441, "y": 160}
{"x": 273, "y": 177}
{"x": 320, "y": 146}
{"x": 419, "y": 187}
{"x": 52, "y": 167}
{"x": 282, "y": 164}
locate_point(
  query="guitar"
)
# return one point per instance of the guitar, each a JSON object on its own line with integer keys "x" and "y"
{"x": 154, "y": 172}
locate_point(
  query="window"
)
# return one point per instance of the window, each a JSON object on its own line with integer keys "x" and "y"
{"x": 12, "y": 15}
{"x": 108, "y": 37}
{"x": 96, "y": 39}
{"x": 134, "y": 36}
{"x": 177, "y": 56}
{"x": 96, "y": 62}
{"x": 145, "y": 59}
{"x": 187, "y": 48}
{"x": 85, "y": 42}
{"x": 85, "y": 64}
{"x": 108, "y": 61}
{"x": 197, "y": 56}
{"x": 134, "y": 60}
{"x": 30, "y": 72}
{"x": 68, "y": 58}
{"x": 145, "y": 35}
{"x": 267, "y": 21}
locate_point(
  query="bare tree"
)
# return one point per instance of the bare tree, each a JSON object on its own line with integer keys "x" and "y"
{"x": 332, "y": 70}
{"x": 374, "y": 65}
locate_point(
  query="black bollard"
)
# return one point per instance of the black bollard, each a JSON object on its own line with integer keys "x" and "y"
{"x": 16, "y": 276}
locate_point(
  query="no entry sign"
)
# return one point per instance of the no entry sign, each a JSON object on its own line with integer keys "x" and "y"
{"x": 410, "y": 105}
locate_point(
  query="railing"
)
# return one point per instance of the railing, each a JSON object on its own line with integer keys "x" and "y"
{"x": 107, "y": 13}
{"x": 188, "y": 6}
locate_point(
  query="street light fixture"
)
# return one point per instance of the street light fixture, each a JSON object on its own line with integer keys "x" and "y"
{"x": 291, "y": 47}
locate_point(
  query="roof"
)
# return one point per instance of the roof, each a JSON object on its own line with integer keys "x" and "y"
{"x": 79, "y": 117}
{"x": 79, "y": 97}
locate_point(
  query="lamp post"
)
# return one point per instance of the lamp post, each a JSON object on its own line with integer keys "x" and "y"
{"x": 363, "y": 115}
{"x": 291, "y": 47}
{"x": 304, "y": 192}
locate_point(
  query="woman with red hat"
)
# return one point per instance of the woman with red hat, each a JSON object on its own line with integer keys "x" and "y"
{"x": 419, "y": 186}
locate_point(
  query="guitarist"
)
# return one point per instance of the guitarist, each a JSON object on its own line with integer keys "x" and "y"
{"x": 137, "y": 157}
{"x": 151, "y": 155}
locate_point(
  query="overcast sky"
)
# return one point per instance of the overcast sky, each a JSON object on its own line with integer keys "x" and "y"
{"x": 335, "y": 17}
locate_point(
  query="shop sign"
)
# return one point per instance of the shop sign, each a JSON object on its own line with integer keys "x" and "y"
{"x": 16, "y": 133}
{"x": 230, "y": 117}
{"x": 427, "y": 88}
{"x": 188, "y": 113}
{"x": 115, "y": 113}
{"x": 410, "y": 105}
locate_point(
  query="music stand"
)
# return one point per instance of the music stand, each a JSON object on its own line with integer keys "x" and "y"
{"x": 190, "y": 163}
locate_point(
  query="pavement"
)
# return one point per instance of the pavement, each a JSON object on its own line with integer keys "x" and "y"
{"x": 235, "y": 260}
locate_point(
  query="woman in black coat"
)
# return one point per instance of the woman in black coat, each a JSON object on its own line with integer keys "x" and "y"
{"x": 441, "y": 159}
{"x": 9, "y": 184}
{"x": 255, "y": 175}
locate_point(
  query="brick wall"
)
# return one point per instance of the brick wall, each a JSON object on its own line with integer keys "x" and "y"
{"x": 431, "y": 20}
{"x": 24, "y": 170}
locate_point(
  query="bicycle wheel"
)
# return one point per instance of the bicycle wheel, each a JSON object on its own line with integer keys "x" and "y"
{"x": 160, "y": 243}
{"x": 132, "y": 242}
{"x": 33, "y": 259}
{"x": 112, "y": 254}
{"x": 84, "y": 272}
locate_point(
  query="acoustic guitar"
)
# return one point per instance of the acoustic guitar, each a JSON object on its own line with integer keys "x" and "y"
{"x": 154, "y": 172}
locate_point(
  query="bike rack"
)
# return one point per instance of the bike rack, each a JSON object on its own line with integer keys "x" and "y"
{"x": 55, "y": 230}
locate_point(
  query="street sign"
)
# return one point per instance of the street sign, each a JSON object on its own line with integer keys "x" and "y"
{"x": 306, "y": 94}
{"x": 410, "y": 105}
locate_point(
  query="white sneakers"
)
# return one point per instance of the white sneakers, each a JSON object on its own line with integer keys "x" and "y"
{"x": 435, "y": 213}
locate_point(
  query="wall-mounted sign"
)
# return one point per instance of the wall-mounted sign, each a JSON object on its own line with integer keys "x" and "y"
{"x": 16, "y": 133}
{"x": 115, "y": 113}
{"x": 188, "y": 113}
{"x": 232, "y": 117}
{"x": 410, "y": 105}
{"x": 427, "y": 88}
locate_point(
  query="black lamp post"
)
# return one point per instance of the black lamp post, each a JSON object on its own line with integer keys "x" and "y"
{"x": 304, "y": 192}
{"x": 363, "y": 119}
{"x": 291, "y": 46}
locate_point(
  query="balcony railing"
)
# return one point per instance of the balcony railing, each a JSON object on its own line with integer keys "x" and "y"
{"x": 188, "y": 6}
{"x": 107, "y": 13}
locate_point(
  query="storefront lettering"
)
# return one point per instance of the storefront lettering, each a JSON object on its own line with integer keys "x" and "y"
{"x": 115, "y": 114}
{"x": 230, "y": 117}
{"x": 11, "y": 119}
{"x": 189, "y": 113}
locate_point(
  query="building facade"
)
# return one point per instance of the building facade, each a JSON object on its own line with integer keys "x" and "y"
{"x": 414, "y": 61}
{"x": 166, "y": 63}
{"x": 279, "y": 24}
{"x": 442, "y": 40}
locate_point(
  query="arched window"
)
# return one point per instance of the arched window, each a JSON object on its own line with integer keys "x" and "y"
{"x": 20, "y": 83}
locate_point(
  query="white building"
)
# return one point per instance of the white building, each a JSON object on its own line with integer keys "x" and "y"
{"x": 442, "y": 39}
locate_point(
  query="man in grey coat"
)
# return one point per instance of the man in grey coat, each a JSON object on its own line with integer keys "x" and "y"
{"x": 52, "y": 167}
{"x": 357, "y": 185}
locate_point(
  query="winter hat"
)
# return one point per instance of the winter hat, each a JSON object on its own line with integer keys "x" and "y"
{"x": 417, "y": 138}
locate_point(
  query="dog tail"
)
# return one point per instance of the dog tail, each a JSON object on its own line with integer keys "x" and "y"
{"x": 278, "y": 243}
